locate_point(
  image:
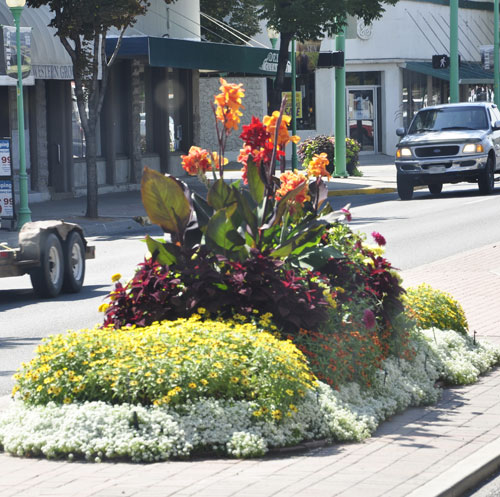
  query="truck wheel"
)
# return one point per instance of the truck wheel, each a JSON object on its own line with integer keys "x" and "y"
{"x": 436, "y": 188}
{"x": 74, "y": 263}
{"x": 486, "y": 179}
{"x": 405, "y": 188}
{"x": 47, "y": 279}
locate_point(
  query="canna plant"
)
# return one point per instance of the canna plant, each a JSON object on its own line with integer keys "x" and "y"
{"x": 284, "y": 217}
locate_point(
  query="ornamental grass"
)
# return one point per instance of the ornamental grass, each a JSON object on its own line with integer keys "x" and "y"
{"x": 168, "y": 363}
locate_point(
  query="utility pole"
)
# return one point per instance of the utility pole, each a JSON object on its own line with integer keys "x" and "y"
{"x": 340, "y": 115}
{"x": 496, "y": 67}
{"x": 454, "y": 96}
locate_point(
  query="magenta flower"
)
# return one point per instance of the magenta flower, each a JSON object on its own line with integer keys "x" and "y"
{"x": 368, "y": 319}
{"x": 379, "y": 238}
{"x": 347, "y": 214}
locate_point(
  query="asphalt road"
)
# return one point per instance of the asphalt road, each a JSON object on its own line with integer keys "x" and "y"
{"x": 25, "y": 320}
{"x": 419, "y": 231}
{"x": 427, "y": 228}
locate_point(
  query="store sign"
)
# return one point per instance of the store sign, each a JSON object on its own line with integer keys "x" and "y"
{"x": 6, "y": 182}
{"x": 288, "y": 104}
{"x": 8, "y": 57}
{"x": 6, "y": 199}
{"x": 487, "y": 57}
{"x": 5, "y": 164}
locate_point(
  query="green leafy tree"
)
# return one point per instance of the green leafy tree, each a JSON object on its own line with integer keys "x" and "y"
{"x": 312, "y": 20}
{"x": 82, "y": 25}
{"x": 239, "y": 14}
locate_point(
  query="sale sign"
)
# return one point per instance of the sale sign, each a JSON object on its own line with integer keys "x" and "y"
{"x": 5, "y": 166}
{"x": 6, "y": 199}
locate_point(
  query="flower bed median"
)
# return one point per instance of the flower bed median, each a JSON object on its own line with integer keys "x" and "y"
{"x": 260, "y": 321}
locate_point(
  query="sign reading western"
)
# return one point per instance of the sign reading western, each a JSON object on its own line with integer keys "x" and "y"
{"x": 8, "y": 46}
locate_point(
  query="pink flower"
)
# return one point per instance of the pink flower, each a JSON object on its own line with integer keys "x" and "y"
{"x": 368, "y": 319}
{"x": 347, "y": 213}
{"x": 378, "y": 238}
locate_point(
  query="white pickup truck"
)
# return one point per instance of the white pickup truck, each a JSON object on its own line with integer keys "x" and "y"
{"x": 53, "y": 253}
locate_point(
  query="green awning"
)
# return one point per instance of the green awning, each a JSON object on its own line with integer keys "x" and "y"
{"x": 470, "y": 73}
{"x": 189, "y": 54}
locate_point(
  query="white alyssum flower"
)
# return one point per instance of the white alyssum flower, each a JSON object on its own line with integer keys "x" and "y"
{"x": 98, "y": 431}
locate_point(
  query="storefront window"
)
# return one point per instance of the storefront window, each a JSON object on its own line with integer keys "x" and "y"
{"x": 305, "y": 99}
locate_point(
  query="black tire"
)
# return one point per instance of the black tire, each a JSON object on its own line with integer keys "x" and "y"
{"x": 486, "y": 179}
{"x": 74, "y": 263}
{"x": 435, "y": 188}
{"x": 47, "y": 280}
{"x": 405, "y": 187}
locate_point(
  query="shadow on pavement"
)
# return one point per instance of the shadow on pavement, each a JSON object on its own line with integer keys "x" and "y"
{"x": 12, "y": 299}
{"x": 14, "y": 342}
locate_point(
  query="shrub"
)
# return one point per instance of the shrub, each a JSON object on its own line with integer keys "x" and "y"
{"x": 326, "y": 144}
{"x": 171, "y": 363}
{"x": 432, "y": 308}
{"x": 259, "y": 284}
{"x": 363, "y": 274}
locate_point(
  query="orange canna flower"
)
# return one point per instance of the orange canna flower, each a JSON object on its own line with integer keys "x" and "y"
{"x": 283, "y": 135}
{"x": 197, "y": 161}
{"x": 291, "y": 180}
{"x": 228, "y": 104}
{"x": 317, "y": 166}
{"x": 216, "y": 162}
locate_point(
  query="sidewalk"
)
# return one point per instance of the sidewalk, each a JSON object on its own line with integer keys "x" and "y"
{"x": 117, "y": 210}
{"x": 434, "y": 451}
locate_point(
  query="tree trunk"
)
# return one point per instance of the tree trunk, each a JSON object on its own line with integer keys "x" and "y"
{"x": 285, "y": 39}
{"x": 91, "y": 161}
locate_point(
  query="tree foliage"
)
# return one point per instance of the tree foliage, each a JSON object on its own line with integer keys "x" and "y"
{"x": 82, "y": 25}
{"x": 239, "y": 14}
{"x": 312, "y": 20}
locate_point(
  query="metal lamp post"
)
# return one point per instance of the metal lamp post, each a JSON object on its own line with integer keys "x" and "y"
{"x": 16, "y": 7}
{"x": 273, "y": 36}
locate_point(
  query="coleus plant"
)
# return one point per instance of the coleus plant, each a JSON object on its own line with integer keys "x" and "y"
{"x": 284, "y": 218}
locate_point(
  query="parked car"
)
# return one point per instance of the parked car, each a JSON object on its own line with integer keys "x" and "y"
{"x": 449, "y": 143}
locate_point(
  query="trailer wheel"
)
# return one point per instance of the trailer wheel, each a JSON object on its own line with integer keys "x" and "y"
{"x": 74, "y": 263}
{"x": 47, "y": 280}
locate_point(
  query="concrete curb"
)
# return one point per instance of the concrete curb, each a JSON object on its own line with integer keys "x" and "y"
{"x": 464, "y": 475}
{"x": 361, "y": 191}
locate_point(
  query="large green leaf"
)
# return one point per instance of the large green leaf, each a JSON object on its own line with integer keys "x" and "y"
{"x": 203, "y": 211}
{"x": 318, "y": 256}
{"x": 256, "y": 186}
{"x": 298, "y": 243}
{"x": 222, "y": 235}
{"x": 165, "y": 202}
{"x": 164, "y": 253}
{"x": 220, "y": 195}
{"x": 247, "y": 211}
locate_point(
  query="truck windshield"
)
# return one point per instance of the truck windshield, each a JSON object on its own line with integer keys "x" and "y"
{"x": 449, "y": 118}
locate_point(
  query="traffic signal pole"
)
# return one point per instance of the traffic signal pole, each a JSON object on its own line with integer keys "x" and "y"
{"x": 340, "y": 114}
{"x": 495, "y": 53}
{"x": 454, "y": 94}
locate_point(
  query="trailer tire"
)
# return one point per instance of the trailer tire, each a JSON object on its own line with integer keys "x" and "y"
{"x": 47, "y": 280}
{"x": 74, "y": 263}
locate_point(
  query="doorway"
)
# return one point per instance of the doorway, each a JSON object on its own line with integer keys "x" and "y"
{"x": 362, "y": 117}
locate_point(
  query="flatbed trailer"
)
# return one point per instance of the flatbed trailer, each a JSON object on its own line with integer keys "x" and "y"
{"x": 53, "y": 253}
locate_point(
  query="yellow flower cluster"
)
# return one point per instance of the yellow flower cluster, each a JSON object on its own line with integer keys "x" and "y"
{"x": 432, "y": 308}
{"x": 168, "y": 363}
